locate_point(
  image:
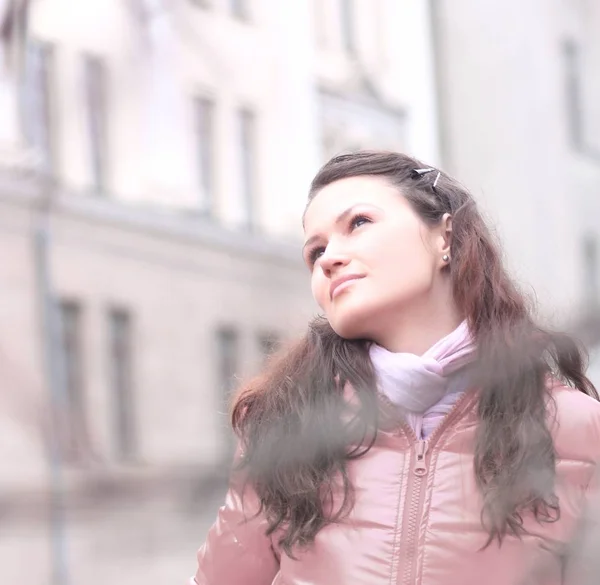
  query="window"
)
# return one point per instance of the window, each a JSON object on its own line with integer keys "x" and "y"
{"x": 240, "y": 9}
{"x": 120, "y": 360}
{"x": 347, "y": 23}
{"x": 590, "y": 271}
{"x": 95, "y": 88}
{"x": 227, "y": 363}
{"x": 227, "y": 342}
{"x": 38, "y": 106}
{"x": 268, "y": 343}
{"x": 205, "y": 144}
{"x": 75, "y": 429}
{"x": 247, "y": 137}
{"x": 572, "y": 73}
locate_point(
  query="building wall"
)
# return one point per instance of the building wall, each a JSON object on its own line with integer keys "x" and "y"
{"x": 370, "y": 94}
{"x": 183, "y": 263}
{"x": 503, "y": 87}
{"x": 181, "y": 282}
{"x": 383, "y": 74}
{"x": 142, "y": 242}
{"x": 155, "y": 70}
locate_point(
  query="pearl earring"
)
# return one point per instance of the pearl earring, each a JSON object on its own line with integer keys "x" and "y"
{"x": 446, "y": 258}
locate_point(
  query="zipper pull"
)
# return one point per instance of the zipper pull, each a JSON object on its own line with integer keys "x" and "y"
{"x": 420, "y": 467}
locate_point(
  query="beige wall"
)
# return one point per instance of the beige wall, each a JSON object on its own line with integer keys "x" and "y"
{"x": 384, "y": 88}
{"x": 263, "y": 64}
{"x": 145, "y": 247}
{"x": 505, "y": 134}
{"x": 20, "y": 353}
{"x": 129, "y": 523}
{"x": 180, "y": 283}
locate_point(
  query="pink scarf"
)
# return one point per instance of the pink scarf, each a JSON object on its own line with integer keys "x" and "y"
{"x": 426, "y": 386}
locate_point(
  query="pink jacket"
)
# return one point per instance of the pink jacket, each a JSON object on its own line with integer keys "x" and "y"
{"x": 416, "y": 518}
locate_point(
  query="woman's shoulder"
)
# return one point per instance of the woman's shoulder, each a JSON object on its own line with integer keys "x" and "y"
{"x": 575, "y": 423}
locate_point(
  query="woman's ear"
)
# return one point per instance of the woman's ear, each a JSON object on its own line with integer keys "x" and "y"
{"x": 445, "y": 235}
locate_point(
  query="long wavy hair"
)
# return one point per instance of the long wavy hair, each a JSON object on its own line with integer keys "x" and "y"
{"x": 299, "y": 431}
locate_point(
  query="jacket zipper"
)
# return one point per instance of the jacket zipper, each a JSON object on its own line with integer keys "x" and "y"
{"x": 415, "y": 492}
{"x": 414, "y": 496}
{"x": 420, "y": 466}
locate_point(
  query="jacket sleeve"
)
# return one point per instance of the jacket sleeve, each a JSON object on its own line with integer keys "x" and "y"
{"x": 237, "y": 550}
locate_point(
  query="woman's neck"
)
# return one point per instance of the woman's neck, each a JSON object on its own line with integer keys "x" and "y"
{"x": 419, "y": 329}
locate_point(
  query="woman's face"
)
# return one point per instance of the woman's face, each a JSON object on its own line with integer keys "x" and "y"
{"x": 373, "y": 261}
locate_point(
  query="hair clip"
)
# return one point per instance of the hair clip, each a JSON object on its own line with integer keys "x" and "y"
{"x": 421, "y": 172}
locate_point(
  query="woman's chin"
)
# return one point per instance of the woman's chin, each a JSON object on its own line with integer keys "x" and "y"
{"x": 351, "y": 324}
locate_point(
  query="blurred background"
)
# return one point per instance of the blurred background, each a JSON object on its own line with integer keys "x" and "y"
{"x": 155, "y": 157}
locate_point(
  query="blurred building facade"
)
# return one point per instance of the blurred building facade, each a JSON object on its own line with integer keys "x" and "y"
{"x": 155, "y": 163}
{"x": 519, "y": 103}
{"x": 167, "y": 147}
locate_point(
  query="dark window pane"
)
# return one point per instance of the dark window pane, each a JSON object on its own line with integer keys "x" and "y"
{"x": 227, "y": 363}
{"x": 347, "y": 26}
{"x": 269, "y": 343}
{"x": 572, "y": 73}
{"x": 239, "y": 9}
{"x": 590, "y": 259}
{"x": 95, "y": 80}
{"x": 75, "y": 433}
{"x": 205, "y": 144}
{"x": 120, "y": 340}
{"x": 227, "y": 342}
{"x": 247, "y": 128}
{"x": 37, "y": 113}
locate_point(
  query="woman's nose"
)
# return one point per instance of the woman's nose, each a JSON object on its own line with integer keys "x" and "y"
{"x": 333, "y": 259}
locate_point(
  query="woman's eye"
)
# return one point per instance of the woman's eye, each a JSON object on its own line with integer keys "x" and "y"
{"x": 315, "y": 254}
{"x": 359, "y": 220}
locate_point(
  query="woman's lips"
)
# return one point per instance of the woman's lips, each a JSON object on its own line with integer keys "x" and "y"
{"x": 342, "y": 283}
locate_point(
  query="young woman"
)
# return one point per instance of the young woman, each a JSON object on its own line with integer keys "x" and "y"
{"x": 426, "y": 429}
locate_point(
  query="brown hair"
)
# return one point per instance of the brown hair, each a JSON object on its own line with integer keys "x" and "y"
{"x": 299, "y": 432}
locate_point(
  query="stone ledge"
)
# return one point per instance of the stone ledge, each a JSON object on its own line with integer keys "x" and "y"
{"x": 33, "y": 191}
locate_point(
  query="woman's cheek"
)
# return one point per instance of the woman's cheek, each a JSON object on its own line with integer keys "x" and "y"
{"x": 317, "y": 286}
